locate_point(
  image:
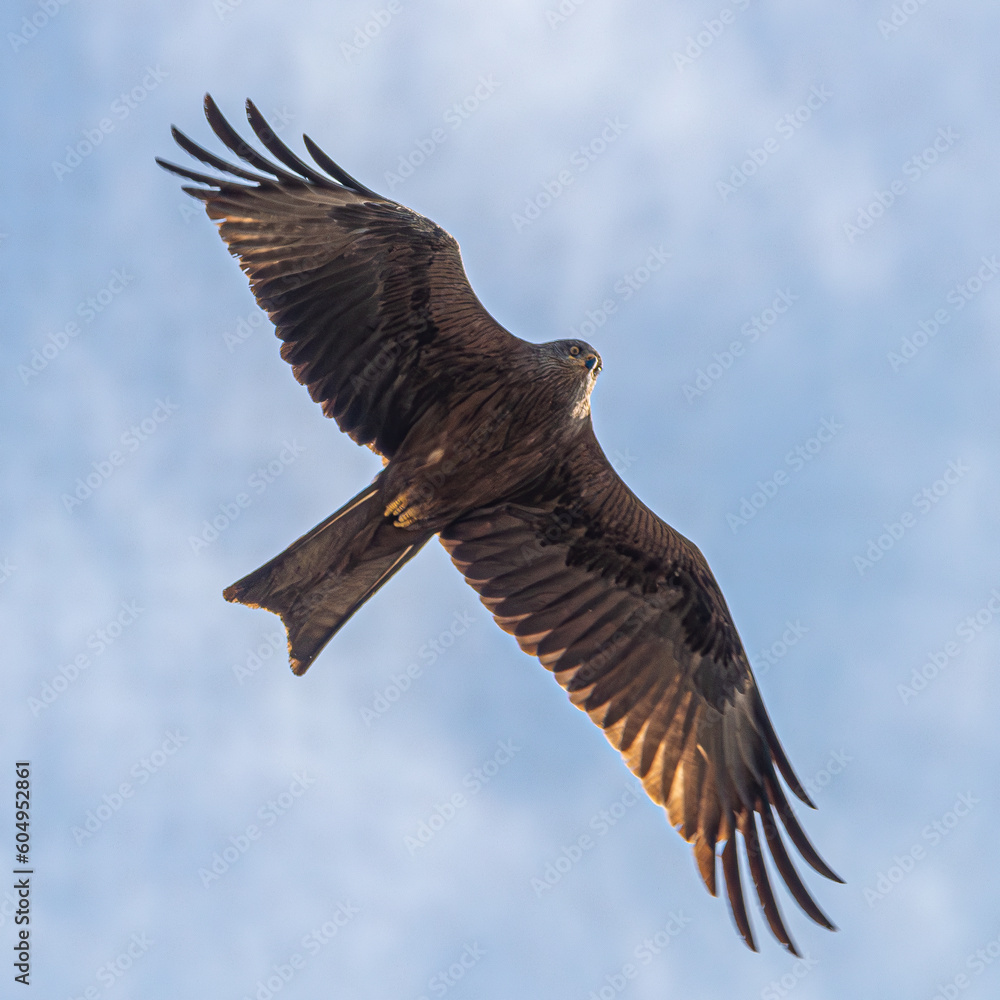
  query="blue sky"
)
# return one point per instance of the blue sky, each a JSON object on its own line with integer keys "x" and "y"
{"x": 779, "y": 225}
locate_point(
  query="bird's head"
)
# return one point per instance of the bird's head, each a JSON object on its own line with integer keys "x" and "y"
{"x": 579, "y": 364}
{"x": 576, "y": 356}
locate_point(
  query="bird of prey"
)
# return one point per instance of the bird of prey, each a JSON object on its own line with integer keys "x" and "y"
{"x": 487, "y": 443}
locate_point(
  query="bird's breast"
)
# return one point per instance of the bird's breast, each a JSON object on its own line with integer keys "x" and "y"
{"x": 477, "y": 453}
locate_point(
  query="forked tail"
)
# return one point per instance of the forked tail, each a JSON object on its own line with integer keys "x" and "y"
{"x": 319, "y": 581}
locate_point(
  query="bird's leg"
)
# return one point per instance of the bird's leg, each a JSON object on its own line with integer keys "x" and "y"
{"x": 404, "y": 513}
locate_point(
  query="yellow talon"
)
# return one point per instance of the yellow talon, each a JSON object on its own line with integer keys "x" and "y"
{"x": 397, "y": 506}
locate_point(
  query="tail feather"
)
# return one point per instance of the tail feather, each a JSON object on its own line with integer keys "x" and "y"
{"x": 319, "y": 581}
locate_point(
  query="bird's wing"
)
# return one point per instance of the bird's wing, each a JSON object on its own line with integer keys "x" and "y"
{"x": 627, "y": 614}
{"x": 371, "y": 300}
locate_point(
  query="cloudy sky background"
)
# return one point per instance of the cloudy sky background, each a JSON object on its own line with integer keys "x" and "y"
{"x": 172, "y": 337}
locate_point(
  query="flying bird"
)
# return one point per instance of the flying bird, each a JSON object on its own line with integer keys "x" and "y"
{"x": 487, "y": 442}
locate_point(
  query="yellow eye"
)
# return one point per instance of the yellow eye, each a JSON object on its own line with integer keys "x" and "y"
{"x": 574, "y": 351}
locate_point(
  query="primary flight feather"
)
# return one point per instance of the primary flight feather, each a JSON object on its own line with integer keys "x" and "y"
{"x": 488, "y": 443}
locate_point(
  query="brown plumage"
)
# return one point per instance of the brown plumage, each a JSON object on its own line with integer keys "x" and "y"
{"x": 488, "y": 443}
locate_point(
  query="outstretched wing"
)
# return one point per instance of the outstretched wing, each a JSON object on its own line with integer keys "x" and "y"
{"x": 371, "y": 299}
{"x": 628, "y": 616}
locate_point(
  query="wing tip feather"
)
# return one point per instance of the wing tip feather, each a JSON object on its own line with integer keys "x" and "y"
{"x": 734, "y": 890}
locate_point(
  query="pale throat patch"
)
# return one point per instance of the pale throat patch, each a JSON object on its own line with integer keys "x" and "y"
{"x": 582, "y": 408}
